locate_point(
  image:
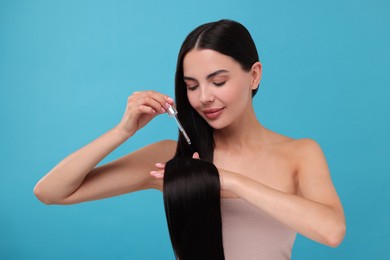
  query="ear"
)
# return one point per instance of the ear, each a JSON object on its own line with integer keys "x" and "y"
{"x": 256, "y": 72}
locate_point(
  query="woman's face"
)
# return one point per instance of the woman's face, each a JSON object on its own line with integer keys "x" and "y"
{"x": 217, "y": 87}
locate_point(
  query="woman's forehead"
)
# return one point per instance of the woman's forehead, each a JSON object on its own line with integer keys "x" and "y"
{"x": 205, "y": 61}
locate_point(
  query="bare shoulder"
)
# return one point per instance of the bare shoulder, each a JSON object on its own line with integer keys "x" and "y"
{"x": 295, "y": 146}
{"x": 298, "y": 150}
{"x": 306, "y": 147}
{"x": 309, "y": 166}
{"x": 309, "y": 159}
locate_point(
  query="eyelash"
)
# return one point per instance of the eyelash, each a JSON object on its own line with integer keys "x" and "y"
{"x": 220, "y": 84}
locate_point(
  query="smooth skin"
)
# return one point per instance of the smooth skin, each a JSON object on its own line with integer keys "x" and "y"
{"x": 289, "y": 179}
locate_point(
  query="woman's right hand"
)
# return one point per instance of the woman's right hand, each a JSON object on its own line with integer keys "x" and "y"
{"x": 141, "y": 108}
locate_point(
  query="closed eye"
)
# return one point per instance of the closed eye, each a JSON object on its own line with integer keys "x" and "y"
{"x": 219, "y": 84}
{"x": 192, "y": 87}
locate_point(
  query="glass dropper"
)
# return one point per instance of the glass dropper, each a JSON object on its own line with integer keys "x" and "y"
{"x": 172, "y": 112}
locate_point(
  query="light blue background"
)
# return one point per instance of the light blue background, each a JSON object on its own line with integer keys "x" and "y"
{"x": 67, "y": 67}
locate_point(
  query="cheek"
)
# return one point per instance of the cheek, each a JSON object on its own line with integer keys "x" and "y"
{"x": 191, "y": 98}
{"x": 236, "y": 92}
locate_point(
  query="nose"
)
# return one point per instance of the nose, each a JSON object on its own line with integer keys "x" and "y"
{"x": 206, "y": 95}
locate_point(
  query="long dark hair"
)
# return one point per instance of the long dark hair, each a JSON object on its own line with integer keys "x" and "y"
{"x": 191, "y": 187}
{"x": 229, "y": 38}
{"x": 193, "y": 209}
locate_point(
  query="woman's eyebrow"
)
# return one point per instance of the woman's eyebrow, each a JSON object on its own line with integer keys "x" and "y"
{"x": 216, "y": 73}
{"x": 208, "y": 76}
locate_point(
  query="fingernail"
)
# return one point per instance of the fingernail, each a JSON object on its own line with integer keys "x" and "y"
{"x": 163, "y": 110}
{"x": 167, "y": 105}
{"x": 158, "y": 175}
{"x": 170, "y": 99}
{"x": 159, "y": 164}
{"x": 153, "y": 173}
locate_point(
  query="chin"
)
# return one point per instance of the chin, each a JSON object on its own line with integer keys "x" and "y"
{"x": 217, "y": 124}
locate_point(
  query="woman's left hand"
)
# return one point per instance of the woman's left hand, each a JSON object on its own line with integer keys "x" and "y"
{"x": 159, "y": 174}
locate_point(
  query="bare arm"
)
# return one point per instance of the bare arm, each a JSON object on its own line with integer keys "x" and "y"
{"x": 75, "y": 179}
{"x": 316, "y": 212}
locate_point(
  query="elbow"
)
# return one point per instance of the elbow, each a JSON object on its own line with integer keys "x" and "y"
{"x": 40, "y": 194}
{"x": 45, "y": 197}
{"x": 334, "y": 238}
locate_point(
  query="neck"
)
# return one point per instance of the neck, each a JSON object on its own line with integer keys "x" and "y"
{"x": 242, "y": 134}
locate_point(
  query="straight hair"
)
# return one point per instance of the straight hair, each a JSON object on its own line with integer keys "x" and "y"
{"x": 193, "y": 209}
{"x": 192, "y": 187}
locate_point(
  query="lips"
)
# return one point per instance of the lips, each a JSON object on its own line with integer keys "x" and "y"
{"x": 212, "y": 113}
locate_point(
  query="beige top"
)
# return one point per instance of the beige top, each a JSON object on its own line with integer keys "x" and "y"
{"x": 251, "y": 234}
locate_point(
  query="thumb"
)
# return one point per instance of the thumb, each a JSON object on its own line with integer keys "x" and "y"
{"x": 195, "y": 155}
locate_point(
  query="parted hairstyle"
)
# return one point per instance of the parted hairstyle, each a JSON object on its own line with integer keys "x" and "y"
{"x": 191, "y": 187}
{"x": 226, "y": 37}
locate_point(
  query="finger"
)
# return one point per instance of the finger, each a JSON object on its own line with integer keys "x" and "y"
{"x": 137, "y": 101}
{"x": 160, "y": 165}
{"x": 146, "y": 110}
{"x": 164, "y": 100}
{"x": 160, "y": 97}
{"x": 196, "y": 155}
{"x": 157, "y": 174}
{"x": 158, "y": 101}
{"x": 170, "y": 100}
{"x": 153, "y": 103}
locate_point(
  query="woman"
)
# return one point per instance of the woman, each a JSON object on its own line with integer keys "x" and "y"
{"x": 272, "y": 186}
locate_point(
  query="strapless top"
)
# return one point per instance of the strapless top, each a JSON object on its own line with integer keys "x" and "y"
{"x": 251, "y": 234}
